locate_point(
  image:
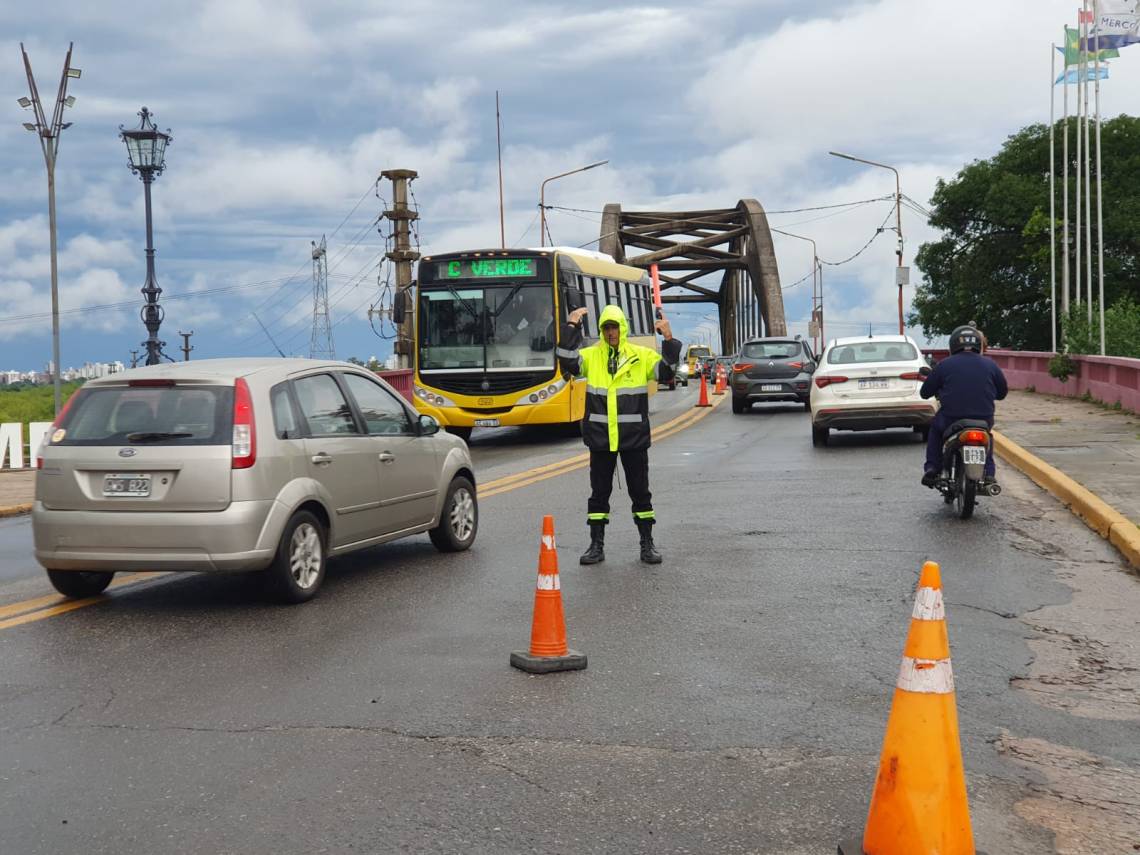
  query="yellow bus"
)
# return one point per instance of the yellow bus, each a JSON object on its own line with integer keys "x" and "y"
{"x": 695, "y": 353}
{"x": 487, "y": 324}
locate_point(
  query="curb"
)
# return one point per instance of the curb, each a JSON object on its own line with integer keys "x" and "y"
{"x": 1097, "y": 514}
{"x": 15, "y": 510}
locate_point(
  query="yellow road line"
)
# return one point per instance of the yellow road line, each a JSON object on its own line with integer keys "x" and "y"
{"x": 29, "y": 611}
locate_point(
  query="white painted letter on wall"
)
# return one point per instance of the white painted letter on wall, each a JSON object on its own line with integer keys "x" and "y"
{"x": 12, "y": 445}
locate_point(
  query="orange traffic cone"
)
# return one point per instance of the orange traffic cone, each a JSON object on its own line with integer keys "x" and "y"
{"x": 720, "y": 381}
{"x": 919, "y": 803}
{"x": 703, "y": 399}
{"x": 548, "y": 651}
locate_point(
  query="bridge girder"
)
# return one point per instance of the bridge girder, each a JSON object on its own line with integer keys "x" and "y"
{"x": 736, "y": 242}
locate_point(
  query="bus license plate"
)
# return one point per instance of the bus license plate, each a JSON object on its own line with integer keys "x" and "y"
{"x": 486, "y": 422}
{"x": 973, "y": 454}
{"x": 135, "y": 486}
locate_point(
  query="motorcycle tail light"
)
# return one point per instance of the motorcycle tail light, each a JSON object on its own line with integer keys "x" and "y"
{"x": 824, "y": 382}
{"x": 974, "y": 437}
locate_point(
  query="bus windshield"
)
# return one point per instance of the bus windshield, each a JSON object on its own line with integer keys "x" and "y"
{"x": 506, "y": 326}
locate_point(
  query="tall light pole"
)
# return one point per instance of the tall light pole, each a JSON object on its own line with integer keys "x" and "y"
{"x": 816, "y": 286}
{"x": 542, "y": 197}
{"x": 898, "y": 222}
{"x": 146, "y": 147}
{"x": 49, "y": 132}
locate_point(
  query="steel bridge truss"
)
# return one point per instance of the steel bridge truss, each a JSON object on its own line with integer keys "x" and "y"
{"x": 691, "y": 246}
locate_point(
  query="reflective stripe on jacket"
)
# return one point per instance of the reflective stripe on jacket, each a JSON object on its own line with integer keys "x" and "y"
{"x": 617, "y": 403}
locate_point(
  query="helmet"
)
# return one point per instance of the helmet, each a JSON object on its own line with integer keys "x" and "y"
{"x": 965, "y": 338}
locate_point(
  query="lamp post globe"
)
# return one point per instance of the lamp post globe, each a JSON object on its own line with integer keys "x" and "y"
{"x": 146, "y": 148}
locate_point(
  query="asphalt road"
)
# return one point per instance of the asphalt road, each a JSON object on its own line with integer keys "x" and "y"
{"x": 735, "y": 698}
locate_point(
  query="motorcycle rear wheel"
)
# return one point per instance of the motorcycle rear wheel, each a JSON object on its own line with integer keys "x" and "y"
{"x": 966, "y": 492}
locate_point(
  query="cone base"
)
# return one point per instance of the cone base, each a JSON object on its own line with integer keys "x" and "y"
{"x": 855, "y": 847}
{"x": 572, "y": 661}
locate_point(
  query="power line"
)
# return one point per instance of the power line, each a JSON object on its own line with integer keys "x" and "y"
{"x": 863, "y": 249}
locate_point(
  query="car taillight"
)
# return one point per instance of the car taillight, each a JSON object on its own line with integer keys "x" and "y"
{"x": 974, "y": 437}
{"x": 245, "y": 431}
{"x": 911, "y": 375}
{"x": 796, "y": 365}
{"x": 824, "y": 382}
{"x": 54, "y": 426}
{"x": 742, "y": 366}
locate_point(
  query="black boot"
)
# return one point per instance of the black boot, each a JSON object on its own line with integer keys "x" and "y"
{"x": 649, "y": 553}
{"x": 596, "y": 553}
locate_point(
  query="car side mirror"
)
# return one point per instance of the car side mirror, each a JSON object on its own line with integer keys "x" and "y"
{"x": 924, "y": 370}
{"x": 428, "y": 425}
{"x": 399, "y": 306}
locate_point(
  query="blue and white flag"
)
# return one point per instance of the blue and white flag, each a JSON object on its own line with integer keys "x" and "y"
{"x": 1074, "y": 75}
{"x": 1117, "y": 25}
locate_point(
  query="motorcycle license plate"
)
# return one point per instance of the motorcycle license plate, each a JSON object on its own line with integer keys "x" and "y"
{"x": 973, "y": 454}
{"x": 486, "y": 422}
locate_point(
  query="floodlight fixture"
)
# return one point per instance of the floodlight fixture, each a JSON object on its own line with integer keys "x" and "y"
{"x": 29, "y": 126}
{"x": 24, "y": 102}
{"x": 69, "y": 100}
{"x": 74, "y": 72}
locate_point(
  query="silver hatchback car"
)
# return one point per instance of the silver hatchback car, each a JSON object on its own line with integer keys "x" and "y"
{"x": 228, "y": 465}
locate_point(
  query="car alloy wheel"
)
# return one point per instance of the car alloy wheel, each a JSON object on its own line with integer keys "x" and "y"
{"x": 305, "y": 554}
{"x": 462, "y": 514}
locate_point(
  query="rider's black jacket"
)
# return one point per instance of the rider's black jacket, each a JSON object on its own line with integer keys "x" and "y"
{"x": 967, "y": 384}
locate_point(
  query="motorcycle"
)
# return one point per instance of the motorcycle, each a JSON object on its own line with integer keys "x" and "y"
{"x": 965, "y": 445}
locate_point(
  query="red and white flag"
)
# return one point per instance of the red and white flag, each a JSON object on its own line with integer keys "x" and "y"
{"x": 1084, "y": 17}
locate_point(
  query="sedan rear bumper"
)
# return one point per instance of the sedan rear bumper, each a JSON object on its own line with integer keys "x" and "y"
{"x": 874, "y": 418}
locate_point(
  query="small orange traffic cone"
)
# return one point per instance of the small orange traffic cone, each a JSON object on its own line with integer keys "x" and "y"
{"x": 919, "y": 804}
{"x": 720, "y": 381}
{"x": 703, "y": 398}
{"x": 548, "y": 651}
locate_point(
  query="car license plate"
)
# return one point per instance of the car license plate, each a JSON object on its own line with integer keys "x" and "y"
{"x": 486, "y": 422}
{"x": 973, "y": 454}
{"x": 136, "y": 485}
{"x": 875, "y": 383}
{"x": 771, "y": 387}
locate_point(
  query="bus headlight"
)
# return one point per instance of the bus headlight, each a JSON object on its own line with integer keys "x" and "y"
{"x": 541, "y": 395}
{"x": 430, "y": 397}
{"x": 534, "y": 399}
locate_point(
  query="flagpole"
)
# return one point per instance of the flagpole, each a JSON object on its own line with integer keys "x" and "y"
{"x": 1088, "y": 180}
{"x": 1099, "y": 186}
{"x": 1053, "y": 197}
{"x": 1065, "y": 191}
{"x": 1078, "y": 294}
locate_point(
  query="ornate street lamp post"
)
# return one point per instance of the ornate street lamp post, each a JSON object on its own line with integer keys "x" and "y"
{"x": 146, "y": 147}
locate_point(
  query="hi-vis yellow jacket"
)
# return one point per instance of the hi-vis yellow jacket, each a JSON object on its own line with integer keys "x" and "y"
{"x": 617, "y": 383}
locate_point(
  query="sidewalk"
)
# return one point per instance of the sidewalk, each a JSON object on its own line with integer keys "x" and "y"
{"x": 1099, "y": 448}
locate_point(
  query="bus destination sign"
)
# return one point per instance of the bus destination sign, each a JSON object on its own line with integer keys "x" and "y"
{"x": 486, "y": 268}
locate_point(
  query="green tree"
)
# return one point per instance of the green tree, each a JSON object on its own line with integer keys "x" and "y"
{"x": 992, "y": 262}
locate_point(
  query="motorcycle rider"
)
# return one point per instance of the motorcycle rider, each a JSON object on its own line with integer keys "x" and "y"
{"x": 966, "y": 384}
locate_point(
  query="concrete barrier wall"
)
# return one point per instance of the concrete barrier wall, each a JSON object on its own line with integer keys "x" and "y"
{"x": 400, "y": 380}
{"x": 1106, "y": 378}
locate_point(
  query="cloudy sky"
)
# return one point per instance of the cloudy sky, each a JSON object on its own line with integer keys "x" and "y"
{"x": 284, "y": 113}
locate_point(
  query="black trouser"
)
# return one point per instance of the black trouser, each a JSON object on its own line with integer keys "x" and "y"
{"x": 636, "y": 466}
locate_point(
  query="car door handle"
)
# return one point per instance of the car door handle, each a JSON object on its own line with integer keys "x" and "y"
{"x": 387, "y": 457}
{"x": 321, "y": 459}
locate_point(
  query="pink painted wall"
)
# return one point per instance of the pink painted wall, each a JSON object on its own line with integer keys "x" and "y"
{"x": 400, "y": 380}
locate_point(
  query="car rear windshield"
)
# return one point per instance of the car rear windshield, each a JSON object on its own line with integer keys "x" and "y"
{"x": 872, "y": 351}
{"x": 149, "y": 415}
{"x": 771, "y": 350}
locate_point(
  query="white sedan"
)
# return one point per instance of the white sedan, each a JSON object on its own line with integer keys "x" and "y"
{"x": 869, "y": 383}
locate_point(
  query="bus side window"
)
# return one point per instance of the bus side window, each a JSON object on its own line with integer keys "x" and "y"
{"x": 647, "y": 299}
{"x": 627, "y": 307}
{"x": 590, "y": 287}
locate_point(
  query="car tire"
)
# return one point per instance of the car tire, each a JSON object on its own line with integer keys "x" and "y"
{"x": 819, "y": 436}
{"x": 464, "y": 433}
{"x": 80, "y": 584}
{"x": 739, "y": 405}
{"x": 459, "y": 519}
{"x": 298, "y": 568}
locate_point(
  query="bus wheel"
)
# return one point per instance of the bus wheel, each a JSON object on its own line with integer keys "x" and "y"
{"x": 464, "y": 433}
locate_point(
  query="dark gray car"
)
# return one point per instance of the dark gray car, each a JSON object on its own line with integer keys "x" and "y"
{"x": 772, "y": 369}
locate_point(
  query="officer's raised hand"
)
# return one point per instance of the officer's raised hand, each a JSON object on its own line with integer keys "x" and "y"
{"x": 662, "y": 326}
{"x": 575, "y": 317}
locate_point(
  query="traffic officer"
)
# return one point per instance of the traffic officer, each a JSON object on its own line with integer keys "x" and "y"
{"x": 616, "y": 422}
{"x": 966, "y": 385}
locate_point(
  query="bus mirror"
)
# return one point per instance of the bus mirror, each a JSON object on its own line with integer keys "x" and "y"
{"x": 399, "y": 306}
